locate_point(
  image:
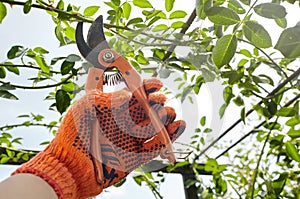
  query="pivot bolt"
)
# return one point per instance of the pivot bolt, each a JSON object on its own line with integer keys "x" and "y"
{"x": 108, "y": 57}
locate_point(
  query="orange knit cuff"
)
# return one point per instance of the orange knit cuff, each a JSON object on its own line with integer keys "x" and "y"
{"x": 53, "y": 172}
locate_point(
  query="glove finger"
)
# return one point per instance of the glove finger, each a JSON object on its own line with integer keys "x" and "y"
{"x": 152, "y": 146}
{"x": 113, "y": 99}
{"x": 152, "y": 85}
{"x": 137, "y": 112}
{"x": 157, "y": 98}
{"x": 145, "y": 129}
{"x": 167, "y": 115}
{"x": 175, "y": 129}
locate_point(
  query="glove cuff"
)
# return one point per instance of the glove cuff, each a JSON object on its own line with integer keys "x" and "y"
{"x": 55, "y": 173}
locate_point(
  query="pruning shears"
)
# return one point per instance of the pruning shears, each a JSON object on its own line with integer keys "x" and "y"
{"x": 96, "y": 51}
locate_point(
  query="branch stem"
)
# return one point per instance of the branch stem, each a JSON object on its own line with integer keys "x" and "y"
{"x": 270, "y": 95}
{"x": 39, "y": 87}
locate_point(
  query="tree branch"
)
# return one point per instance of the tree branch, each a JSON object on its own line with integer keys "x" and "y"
{"x": 26, "y": 125}
{"x": 26, "y": 66}
{"x": 254, "y": 130}
{"x": 18, "y": 161}
{"x": 39, "y": 87}
{"x": 270, "y": 95}
{"x": 182, "y": 32}
{"x": 260, "y": 157}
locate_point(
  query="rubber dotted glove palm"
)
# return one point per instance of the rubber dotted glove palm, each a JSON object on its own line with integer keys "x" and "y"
{"x": 126, "y": 137}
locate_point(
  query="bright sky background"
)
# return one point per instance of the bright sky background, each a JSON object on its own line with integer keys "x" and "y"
{"x": 37, "y": 29}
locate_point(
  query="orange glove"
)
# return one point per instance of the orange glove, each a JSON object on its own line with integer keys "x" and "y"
{"x": 127, "y": 140}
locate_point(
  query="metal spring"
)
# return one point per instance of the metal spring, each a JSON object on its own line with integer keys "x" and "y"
{"x": 112, "y": 79}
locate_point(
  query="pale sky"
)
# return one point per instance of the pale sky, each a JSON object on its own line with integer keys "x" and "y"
{"x": 37, "y": 29}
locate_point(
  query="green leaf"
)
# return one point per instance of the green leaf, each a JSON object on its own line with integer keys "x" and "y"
{"x": 160, "y": 27}
{"x": 62, "y": 101}
{"x": 27, "y": 6}
{"x": 177, "y": 14}
{"x": 116, "y": 2}
{"x": 272, "y": 107}
{"x": 4, "y": 160}
{"x": 135, "y": 21}
{"x": 17, "y": 140}
{"x": 224, "y": 50}
{"x": 246, "y": 2}
{"x": 279, "y": 183}
{"x": 238, "y": 101}
{"x": 12, "y": 69}
{"x": 222, "y": 110}
{"x": 257, "y": 34}
{"x": 289, "y": 42}
{"x": 42, "y": 64}
{"x": 120, "y": 183}
{"x": 3, "y": 12}
{"x": 70, "y": 33}
{"x": 243, "y": 114}
{"x": 222, "y": 16}
{"x": 169, "y": 5}
{"x": 293, "y": 121}
{"x": 281, "y": 22}
{"x": 177, "y": 24}
{"x": 246, "y": 53}
{"x": 292, "y": 151}
{"x": 90, "y": 11}
{"x": 164, "y": 73}
{"x": 45, "y": 143}
{"x": 59, "y": 35}
{"x": 7, "y": 135}
{"x": 66, "y": 67}
{"x": 73, "y": 58}
{"x": 10, "y": 153}
{"x": 15, "y": 51}
{"x": 286, "y": 112}
{"x": 7, "y": 86}
{"x": 202, "y": 6}
{"x": 236, "y": 6}
{"x": 142, "y": 3}
{"x": 203, "y": 121}
{"x": 7, "y": 95}
{"x": 69, "y": 87}
{"x": 294, "y": 133}
{"x": 126, "y": 10}
{"x": 60, "y": 5}
{"x": 208, "y": 75}
{"x": 25, "y": 157}
{"x": 40, "y": 50}
{"x": 270, "y": 10}
{"x": 207, "y": 130}
{"x": 227, "y": 94}
{"x": 2, "y": 72}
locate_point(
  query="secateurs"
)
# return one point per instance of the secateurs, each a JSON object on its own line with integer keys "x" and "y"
{"x": 98, "y": 53}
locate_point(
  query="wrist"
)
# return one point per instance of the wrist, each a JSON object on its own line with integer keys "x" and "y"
{"x": 55, "y": 173}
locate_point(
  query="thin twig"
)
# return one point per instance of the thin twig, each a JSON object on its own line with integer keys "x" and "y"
{"x": 260, "y": 157}
{"x": 40, "y": 87}
{"x": 182, "y": 32}
{"x": 26, "y": 125}
{"x": 255, "y": 128}
{"x": 270, "y": 95}
{"x": 138, "y": 42}
{"x": 268, "y": 56}
{"x": 27, "y": 66}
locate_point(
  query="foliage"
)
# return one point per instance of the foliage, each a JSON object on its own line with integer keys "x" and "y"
{"x": 228, "y": 43}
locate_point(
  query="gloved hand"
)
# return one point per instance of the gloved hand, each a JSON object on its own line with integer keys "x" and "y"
{"x": 126, "y": 136}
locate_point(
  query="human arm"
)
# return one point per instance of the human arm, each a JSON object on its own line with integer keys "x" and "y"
{"x": 127, "y": 139}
